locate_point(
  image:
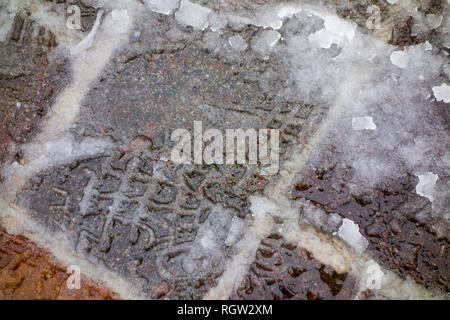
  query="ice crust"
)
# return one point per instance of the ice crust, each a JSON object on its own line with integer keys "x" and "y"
{"x": 163, "y": 6}
{"x": 349, "y": 232}
{"x": 442, "y": 92}
{"x": 363, "y": 123}
{"x": 193, "y": 15}
{"x": 399, "y": 59}
{"x": 7, "y": 14}
{"x": 426, "y": 184}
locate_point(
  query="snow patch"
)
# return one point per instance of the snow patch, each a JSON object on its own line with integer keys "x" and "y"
{"x": 120, "y": 15}
{"x": 261, "y": 206}
{"x": 237, "y": 268}
{"x": 318, "y": 218}
{"x": 372, "y": 277}
{"x": 205, "y": 252}
{"x": 273, "y": 38}
{"x": 60, "y": 151}
{"x": 273, "y": 17}
{"x": 267, "y": 38}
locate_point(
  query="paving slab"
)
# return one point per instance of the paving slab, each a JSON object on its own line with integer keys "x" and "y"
{"x": 282, "y": 271}
{"x": 29, "y": 273}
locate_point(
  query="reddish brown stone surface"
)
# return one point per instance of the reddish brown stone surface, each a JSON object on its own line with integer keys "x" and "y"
{"x": 29, "y": 273}
{"x": 387, "y": 219}
{"x": 29, "y": 83}
{"x": 30, "y": 79}
{"x": 281, "y": 270}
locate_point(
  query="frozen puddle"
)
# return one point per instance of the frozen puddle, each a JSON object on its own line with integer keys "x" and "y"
{"x": 95, "y": 181}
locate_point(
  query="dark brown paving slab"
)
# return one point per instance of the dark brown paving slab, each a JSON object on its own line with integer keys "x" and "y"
{"x": 29, "y": 82}
{"x": 386, "y": 216}
{"x": 32, "y": 74}
{"x": 283, "y": 271}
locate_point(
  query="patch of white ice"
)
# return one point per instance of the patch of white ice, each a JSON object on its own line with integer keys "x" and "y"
{"x": 336, "y": 30}
{"x": 234, "y": 232}
{"x": 425, "y": 187}
{"x": 166, "y": 7}
{"x": 261, "y": 208}
{"x": 372, "y": 277}
{"x": 193, "y": 15}
{"x": 237, "y": 43}
{"x": 363, "y": 123}
{"x": 273, "y": 16}
{"x": 349, "y": 232}
{"x": 120, "y": 15}
{"x": 271, "y": 37}
{"x": 288, "y": 10}
{"x": 400, "y": 59}
{"x": 7, "y": 14}
{"x": 434, "y": 21}
{"x": 442, "y": 93}
{"x": 427, "y": 46}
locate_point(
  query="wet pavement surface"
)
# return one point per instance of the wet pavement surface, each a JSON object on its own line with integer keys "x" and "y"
{"x": 387, "y": 219}
{"x": 29, "y": 82}
{"x": 282, "y": 271}
{"x": 133, "y": 200}
{"x": 109, "y": 185}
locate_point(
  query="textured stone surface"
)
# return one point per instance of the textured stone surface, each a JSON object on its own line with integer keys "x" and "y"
{"x": 132, "y": 199}
{"x": 171, "y": 230}
{"x": 32, "y": 74}
{"x": 282, "y": 271}
{"x": 29, "y": 82}
{"x": 29, "y": 273}
{"x": 386, "y": 217}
